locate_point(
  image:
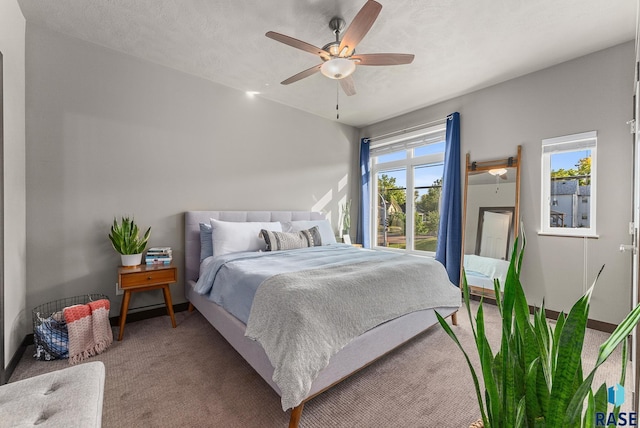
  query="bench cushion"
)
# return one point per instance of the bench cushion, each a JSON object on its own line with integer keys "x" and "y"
{"x": 71, "y": 397}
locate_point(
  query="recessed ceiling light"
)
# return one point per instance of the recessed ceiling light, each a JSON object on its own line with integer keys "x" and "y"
{"x": 252, "y": 93}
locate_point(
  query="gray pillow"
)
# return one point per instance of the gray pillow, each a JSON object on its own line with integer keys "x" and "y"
{"x": 206, "y": 245}
{"x": 324, "y": 227}
{"x": 277, "y": 241}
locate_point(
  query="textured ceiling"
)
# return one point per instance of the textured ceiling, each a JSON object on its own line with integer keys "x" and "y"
{"x": 460, "y": 45}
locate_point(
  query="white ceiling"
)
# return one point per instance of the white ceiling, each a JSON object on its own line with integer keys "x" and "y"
{"x": 459, "y": 45}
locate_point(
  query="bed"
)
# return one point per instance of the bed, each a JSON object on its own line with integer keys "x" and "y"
{"x": 237, "y": 320}
{"x": 482, "y": 271}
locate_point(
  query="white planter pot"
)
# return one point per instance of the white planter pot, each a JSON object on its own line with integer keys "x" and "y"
{"x": 131, "y": 259}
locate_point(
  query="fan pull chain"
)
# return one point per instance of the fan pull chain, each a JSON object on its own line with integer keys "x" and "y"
{"x": 337, "y": 101}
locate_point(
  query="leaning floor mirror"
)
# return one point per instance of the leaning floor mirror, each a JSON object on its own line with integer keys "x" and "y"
{"x": 491, "y": 212}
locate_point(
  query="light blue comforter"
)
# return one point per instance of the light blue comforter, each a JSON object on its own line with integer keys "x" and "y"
{"x": 231, "y": 280}
{"x": 324, "y": 296}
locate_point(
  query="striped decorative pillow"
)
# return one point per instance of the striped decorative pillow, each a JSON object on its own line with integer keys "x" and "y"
{"x": 277, "y": 241}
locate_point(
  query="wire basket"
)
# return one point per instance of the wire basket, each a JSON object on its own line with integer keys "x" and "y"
{"x": 50, "y": 335}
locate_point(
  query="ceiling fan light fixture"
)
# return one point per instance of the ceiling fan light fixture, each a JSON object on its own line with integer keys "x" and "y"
{"x": 334, "y": 48}
{"x": 338, "y": 68}
{"x": 497, "y": 171}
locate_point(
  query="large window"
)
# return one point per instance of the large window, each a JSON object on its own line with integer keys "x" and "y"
{"x": 569, "y": 185}
{"x": 407, "y": 182}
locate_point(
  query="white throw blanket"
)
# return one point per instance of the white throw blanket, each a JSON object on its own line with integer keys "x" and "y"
{"x": 320, "y": 311}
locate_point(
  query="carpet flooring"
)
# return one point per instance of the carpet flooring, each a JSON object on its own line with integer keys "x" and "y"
{"x": 190, "y": 376}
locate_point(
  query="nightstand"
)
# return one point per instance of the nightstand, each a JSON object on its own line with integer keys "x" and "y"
{"x": 144, "y": 278}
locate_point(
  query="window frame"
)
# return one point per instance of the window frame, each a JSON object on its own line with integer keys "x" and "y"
{"x": 432, "y": 135}
{"x": 567, "y": 144}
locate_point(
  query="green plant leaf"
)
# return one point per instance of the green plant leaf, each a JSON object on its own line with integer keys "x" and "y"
{"x": 498, "y": 293}
{"x": 590, "y": 414}
{"x": 623, "y": 372}
{"x": 486, "y": 364}
{"x": 509, "y": 296}
{"x": 543, "y": 391}
{"x": 521, "y": 413}
{"x": 467, "y": 304}
{"x": 556, "y": 339}
{"x": 498, "y": 374}
{"x": 521, "y": 307}
{"x": 533, "y": 408}
{"x": 476, "y": 384}
{"x": 618, "y": 335}
{"x": 568, "y": 361}
{"x": 600, "y": 400}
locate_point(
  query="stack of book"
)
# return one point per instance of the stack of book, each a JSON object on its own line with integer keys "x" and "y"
{"x": 159, "y": 256}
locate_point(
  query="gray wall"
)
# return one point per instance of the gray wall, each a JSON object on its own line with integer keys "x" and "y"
{"x": 12, "y": 45}
{"x": 589, "y": 93}
{"x": 109, "y": 134}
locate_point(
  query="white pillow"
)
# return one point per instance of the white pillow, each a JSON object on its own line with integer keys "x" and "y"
{"x": 232, "y": 236}
{"x": 326, "y": 232}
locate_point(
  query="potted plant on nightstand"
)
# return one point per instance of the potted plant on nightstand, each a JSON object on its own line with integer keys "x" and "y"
{"x": 125, "y": 239}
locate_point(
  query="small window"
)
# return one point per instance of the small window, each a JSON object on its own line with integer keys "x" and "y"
{"x": 569, "y": 176}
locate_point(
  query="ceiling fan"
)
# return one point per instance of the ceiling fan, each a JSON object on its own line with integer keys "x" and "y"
{"x": 339, "y": 57}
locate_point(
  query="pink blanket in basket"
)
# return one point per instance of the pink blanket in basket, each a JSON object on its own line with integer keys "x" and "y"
{"x": 89, "y": 329}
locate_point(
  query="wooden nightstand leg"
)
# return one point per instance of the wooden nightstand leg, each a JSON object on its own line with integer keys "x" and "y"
{"x": 167, "y": 301}
{"x": 191, "y": 307}
{"x": 123, "y": 312}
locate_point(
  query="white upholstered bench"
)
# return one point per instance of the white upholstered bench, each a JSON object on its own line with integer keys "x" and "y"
{"x": 71, "y": 397}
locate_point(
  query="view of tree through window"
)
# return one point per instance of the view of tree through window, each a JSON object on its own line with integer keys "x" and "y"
{"x": 428, "y": 188}
{"x": 392, "y": 207}
{"x": 407, "y": 181}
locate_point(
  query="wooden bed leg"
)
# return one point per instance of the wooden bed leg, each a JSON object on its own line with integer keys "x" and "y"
{"x": 454, "y": 318}
{"x": 191, "y": 307}
{"x": 296, "y": 413}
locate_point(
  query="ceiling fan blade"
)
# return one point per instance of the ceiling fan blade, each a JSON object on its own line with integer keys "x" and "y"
{"x": 359, "y": 27}
{"x": 306, "y": 73}
{"x": 383, "y": 59}
{"x": 299, "y": 44}
{"x": 348, "y": 85}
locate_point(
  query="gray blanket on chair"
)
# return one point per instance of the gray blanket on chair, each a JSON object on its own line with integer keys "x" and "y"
{"x": 302, "y": 319}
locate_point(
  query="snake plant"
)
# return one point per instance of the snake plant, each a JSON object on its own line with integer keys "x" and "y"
{"x": 535, "y": 379}
{"x": 125, "y": 237}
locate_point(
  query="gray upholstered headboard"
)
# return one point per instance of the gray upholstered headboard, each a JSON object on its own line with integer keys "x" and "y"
{"x": 192, "y": 220}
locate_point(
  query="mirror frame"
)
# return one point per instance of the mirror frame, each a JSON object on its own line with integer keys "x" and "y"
{"x": 475, "y": 166}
